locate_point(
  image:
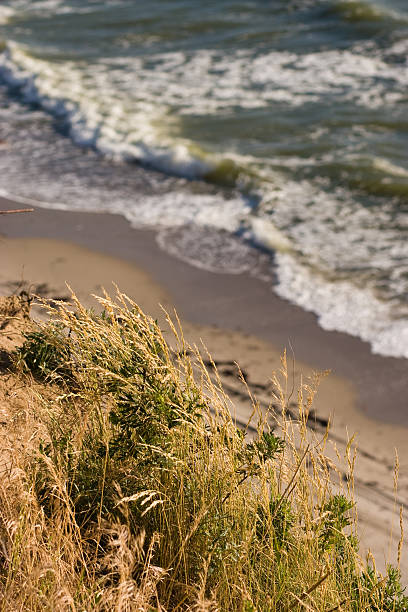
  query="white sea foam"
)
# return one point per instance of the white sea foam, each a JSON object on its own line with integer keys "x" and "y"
{"x": 178, "y": 208}
{"x": 44, "y": 7}
{"x": 335, "y": 255}
{"x": 97, "y": 115}
{"x": 268, "y": 235}
{"x": 341, "y": 306}
{"x": 332, "y": 232}
{"x": 6, "y": 13}
{"x": 169, "y": 210}
{"x": 218, "y": 251}
{"x": 130, "y": 107}
{"x": 384, "y": 165}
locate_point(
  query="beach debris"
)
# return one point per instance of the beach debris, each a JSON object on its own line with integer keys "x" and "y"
{"x": 16, "y": 210}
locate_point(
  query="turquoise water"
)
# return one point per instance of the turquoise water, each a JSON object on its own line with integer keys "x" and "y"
{"x": 277, "y": 124}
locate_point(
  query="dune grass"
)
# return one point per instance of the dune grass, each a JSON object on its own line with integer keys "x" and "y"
{"x": 136, "y": 490}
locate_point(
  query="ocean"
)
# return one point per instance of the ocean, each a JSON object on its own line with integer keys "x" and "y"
{"x": 258, "y": 136}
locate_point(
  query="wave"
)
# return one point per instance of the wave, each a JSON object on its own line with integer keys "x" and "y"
{"x": 341, "y": 306}
{"x": 6, "y": 13}
{"x": 118, "y": 106}
{"x": 358, "y": 11}
{"x": 44, "y": 7}
{"x": 371, "y": 175}
{"x": 60, "y": 90}
{"x": 319, "y": 238}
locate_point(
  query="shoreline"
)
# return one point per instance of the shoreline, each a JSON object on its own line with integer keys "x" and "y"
{"x": 232, "y": 302}
{"x": 90, "y": 251}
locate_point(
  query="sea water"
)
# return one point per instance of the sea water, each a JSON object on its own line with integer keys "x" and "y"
{"x": 232, "y": 127}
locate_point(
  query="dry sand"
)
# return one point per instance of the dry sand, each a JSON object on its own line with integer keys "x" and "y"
{"x": 240, "y": 320}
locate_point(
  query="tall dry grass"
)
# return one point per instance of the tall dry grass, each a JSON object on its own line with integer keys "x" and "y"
{"x": 136, "y": 490}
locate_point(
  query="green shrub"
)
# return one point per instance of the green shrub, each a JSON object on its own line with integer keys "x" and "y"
{"x": 335, "y": 520}
{"x": 152, "y": 495}
{"x": 46, "y": 354}
{"x": 376, "y": 593}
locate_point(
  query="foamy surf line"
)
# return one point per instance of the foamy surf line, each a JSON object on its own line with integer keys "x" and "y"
{"x": 6, "y": 14}
{"x": 6, "y": 195}
{"x": 353, "y": 76}
{"x": 209, "y": 224}
{"x": 342, "y": 307}
{"x": 229, "y": 302}
{"x": 92, "y": 128}
{"x": 338, "y": 306}
{"x": 197, "y": 230}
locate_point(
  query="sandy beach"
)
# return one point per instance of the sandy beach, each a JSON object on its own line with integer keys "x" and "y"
{"x": 239, "y": 319}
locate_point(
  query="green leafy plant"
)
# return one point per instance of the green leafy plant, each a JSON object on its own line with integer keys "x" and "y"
{"x": 138, "y": 492}
{"x": 378, "y": 593}
{"x": 46, "y": 354}
{"x": 334, "y": 520}
{"x": 276, "y": 522}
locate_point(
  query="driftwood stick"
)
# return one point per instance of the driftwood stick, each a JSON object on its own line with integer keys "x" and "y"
{"x": 17, "y": 210}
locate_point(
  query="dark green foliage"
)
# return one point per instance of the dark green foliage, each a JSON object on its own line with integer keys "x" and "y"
{"x": 144, "y": 414}
{"x": 332, "y": 539}
{"x": 145, "y": 404}
{"x": 335, "y": 520}
{"x": 283, "y": 520}
{"x": 89, "y": 494}
{"x": 257, "y": 452}
{"x": 217, "y": 532}
{"x": 394, "y": 599}
{"x": 267, "y": 447}
{"x": 46, "y": 354}
{"x": 275, "y": 523}
{"x": 379, "y": 594}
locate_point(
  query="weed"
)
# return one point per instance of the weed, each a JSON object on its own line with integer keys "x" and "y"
{"x": 379, "y": 594}
{"x": 138, "y": 492}
{"x": 334, "y": 521}
{"x": 45, "y": 354}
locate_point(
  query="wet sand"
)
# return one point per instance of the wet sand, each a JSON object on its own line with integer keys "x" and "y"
{"x": 233, "y": 302}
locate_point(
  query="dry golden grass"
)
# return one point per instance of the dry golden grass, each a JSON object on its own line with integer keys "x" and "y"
{"x": 134, "y": 489}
